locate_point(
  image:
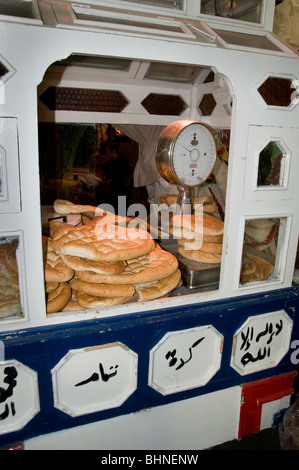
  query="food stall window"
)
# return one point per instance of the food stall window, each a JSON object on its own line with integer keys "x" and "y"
{"x": 263, "y": 249}
{"x": 172, "y": 72}
{"x": 173, "y": 4}
{"x": 17, "y": 8}
{"x": 245, "y": 11}
{"x": 10, "y": 298}
{"x": 272, "y": 163}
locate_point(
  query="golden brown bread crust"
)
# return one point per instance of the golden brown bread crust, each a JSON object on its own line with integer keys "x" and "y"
{"x": 50, "y": 286}
{"x": 92, "y": 301}
{"x": 205, "y": 201}
{"x": 159, "y": 289}
{"x": 55, "y": 270}
{"x": 200, "y": 256}
{"x": 62, "y": 206}
{"x": 158, "y": 264}
{"x": 200, "y": 223}
{"x": 103, "y": 239}
{"x": 189, "y": 235}
{"x": 58, "y": 298}
{"x": 207, "y": 247}
{"x": 82, "y": 264}
{"x": 259, "y": 270}
{"x": 102, "y": 290}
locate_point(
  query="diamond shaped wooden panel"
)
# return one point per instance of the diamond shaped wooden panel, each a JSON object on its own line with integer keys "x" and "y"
{"x": 276, "y": 91}
{"x": 82, "y": 99}
{"x": 207, "y": 104}
{"x": 3, "y": 70}
{"x": 166, "y": 105}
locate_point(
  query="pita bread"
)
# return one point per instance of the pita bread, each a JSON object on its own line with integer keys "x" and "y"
{"x": 72, "y": 304}
{"x": 199, "y": 223}
{"x": 54, "y": 268}
{"x": 82, "y": 264}
{"x": 259, "y": 270}
{"x": 50, "y": 286}
{"x": 157, "y": 265}
{"x": 205, "y": 201}
{"x": 200, "y": 256}
{"x": 91, "y": 301}
{"x": 62, "y": 206}
{"x": 104, "y": 239}
{"x": 188, "y": 235}
{"x": 102, "y": 290}
{"x": 58, "y": 298}
{"x": 160, "y": 288}
{"x": 207, "y": 247}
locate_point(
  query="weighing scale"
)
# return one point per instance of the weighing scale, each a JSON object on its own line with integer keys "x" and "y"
{"x": 185, "y": 157}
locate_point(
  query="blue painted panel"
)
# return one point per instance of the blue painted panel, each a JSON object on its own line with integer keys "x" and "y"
{"x": 41, "y": 349}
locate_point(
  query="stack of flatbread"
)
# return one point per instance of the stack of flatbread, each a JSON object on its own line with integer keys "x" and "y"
{"x": 113, "y": 261}
{"x": 199, "y": 237}
{"x": 208, "y": 205}
{"x": 56, "y": 274}
{"x": 10, "y": 302}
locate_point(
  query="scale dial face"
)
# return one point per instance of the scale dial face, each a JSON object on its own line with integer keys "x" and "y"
{"x": 191, "y": 153}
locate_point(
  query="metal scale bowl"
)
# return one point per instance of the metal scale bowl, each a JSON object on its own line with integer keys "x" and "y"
{"x": 185, "y": 157}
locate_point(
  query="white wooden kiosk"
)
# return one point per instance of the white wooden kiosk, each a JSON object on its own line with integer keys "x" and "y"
{"x": 143, "y": 65}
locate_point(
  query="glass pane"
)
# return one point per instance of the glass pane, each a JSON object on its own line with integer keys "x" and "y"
{"x": 125, "y": 20}
{"x": 16, "y": 8}
{"x": 247, "y": 40}
{"x": 95, "y": 62}
{"x": 10, "y": 302}
{"x": 174, "y": 4}
{"x": 263, "y": 242}
{"x": 1, "y": 177}
{"x": 271, "y": 165}
{"x": 236, "y": 9}
{"x": 172, "y": 72}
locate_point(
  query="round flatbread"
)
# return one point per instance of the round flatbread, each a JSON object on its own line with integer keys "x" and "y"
{"x": 259, "y": 270}
{"x": 207, "y": 247}
{"x": 73, "y": 304}
{"x": 157, "y": 265}
{"x": 105, "y": 239}
{"x": 199, "y": 223}
{"x": 50, "y": 286}
{"x": 82, "y": 264}
{"x": 188, "y": 235}
{"x": 55, "y": 270}
{"x": 91, "y": 301}
{"x": 62, "y": 206}
{"x": 160, "y": 288}
{"x": 102, "y": 290}
{"x": 58, "y": 298}
{"x": 200, "y": 256}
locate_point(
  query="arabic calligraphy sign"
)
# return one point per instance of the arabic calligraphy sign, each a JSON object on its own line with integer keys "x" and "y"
{"x": 94, "y": 379}
{"x": 261, "y": 342}
{"x": 185, "y": 359}
{"x": 19, "y": 399}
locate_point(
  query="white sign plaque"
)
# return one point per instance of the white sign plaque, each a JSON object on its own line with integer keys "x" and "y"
{"x": 185, "y": 359}
{"x": 94, "y": 379}
{"x": 261, "y": 342}
{"x": 19, "y": 398}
